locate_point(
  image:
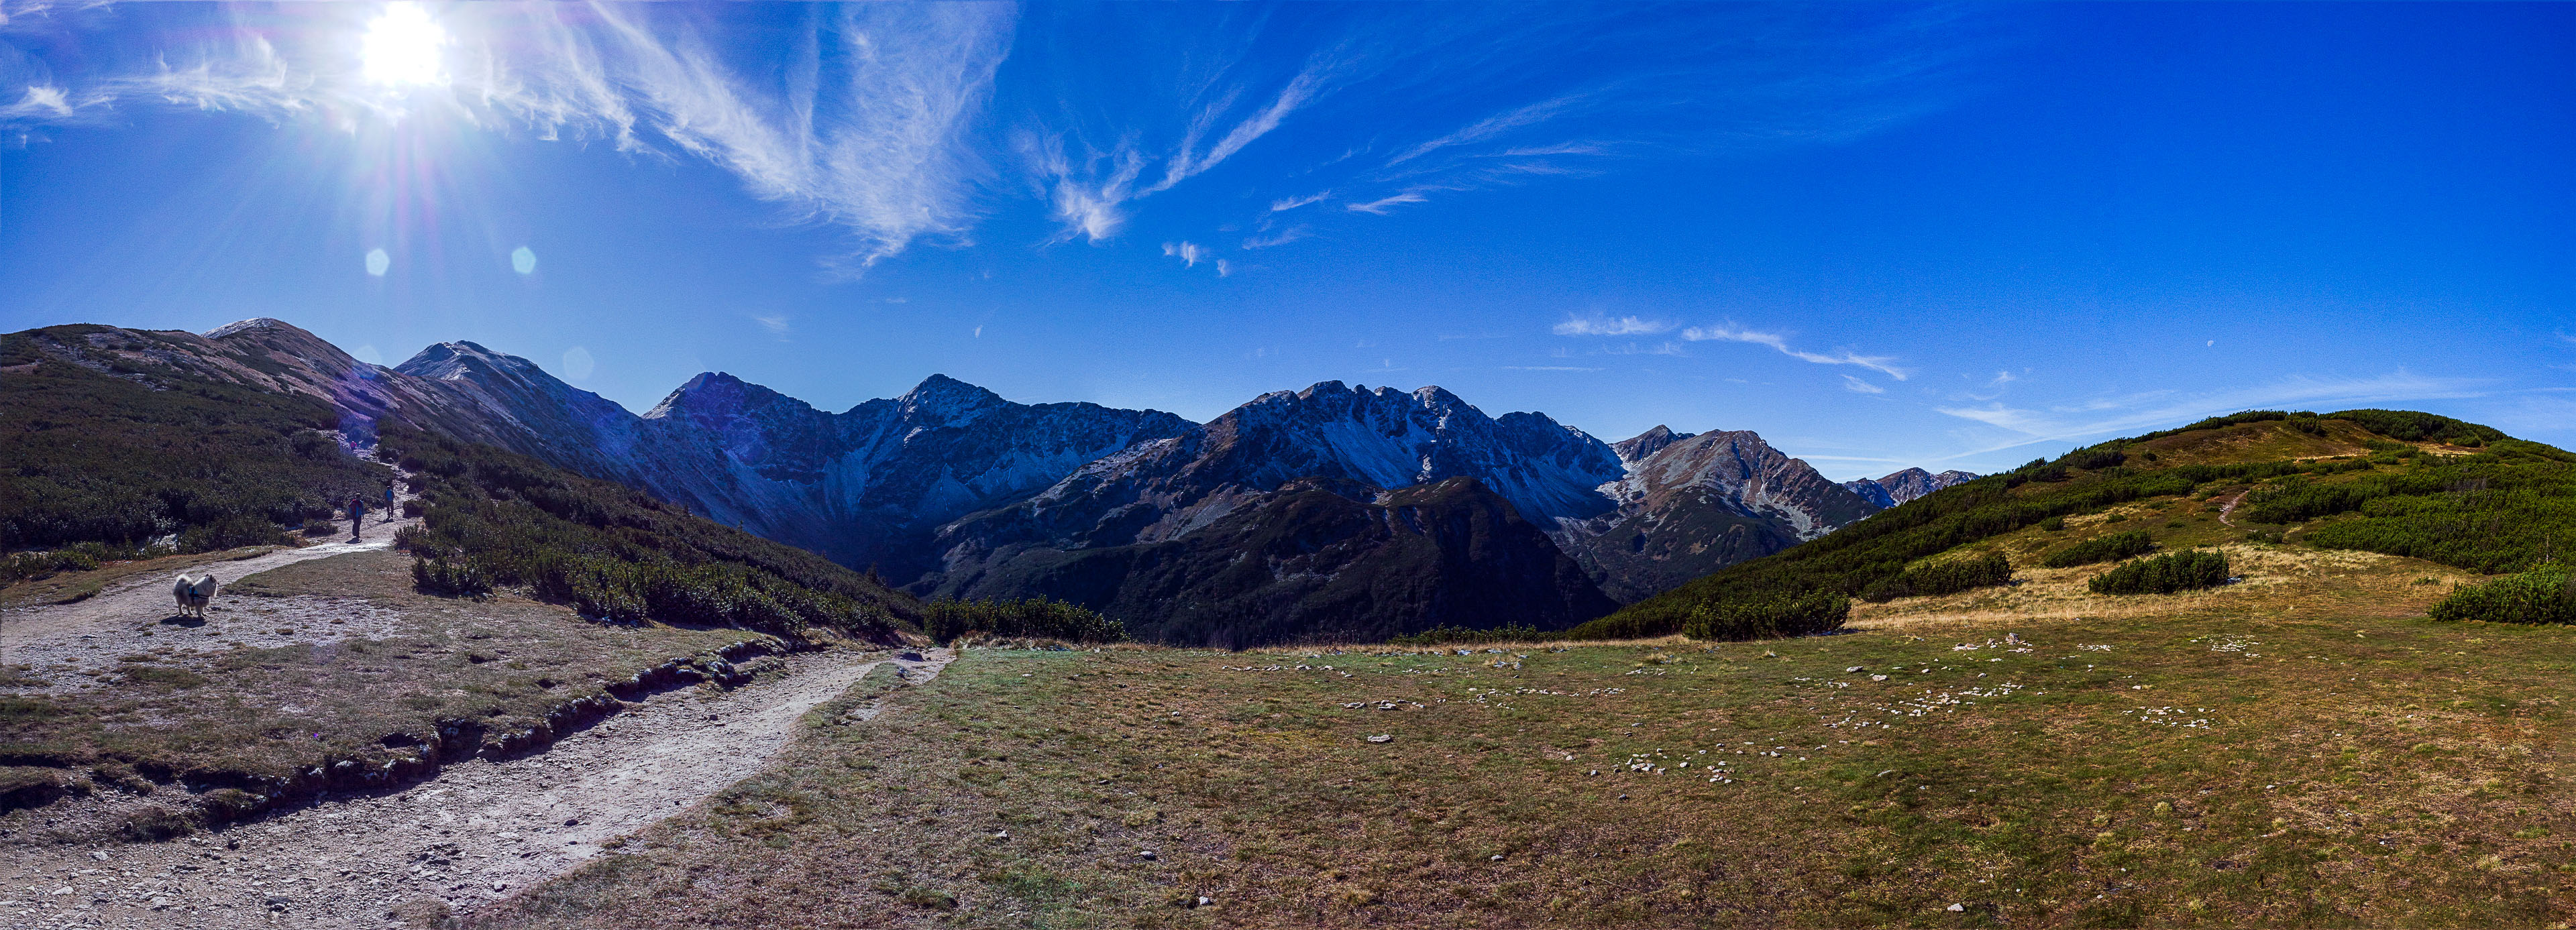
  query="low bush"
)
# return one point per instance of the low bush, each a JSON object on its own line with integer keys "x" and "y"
{"x": 1769, "y": 617}
{"x": 2110, "y": 548}
{"x": 2542, "y": 595}
{"x": 945, "y": 620}
{"x": 2165, "y": 574}
{"x": 1950, "y": 576}
{"x": 1466, "y": 636}
{"x": 29, "y": 566}
{"x": 320, "y": 527}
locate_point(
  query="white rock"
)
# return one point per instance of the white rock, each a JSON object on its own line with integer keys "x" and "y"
{"x": 1958, "y": 907}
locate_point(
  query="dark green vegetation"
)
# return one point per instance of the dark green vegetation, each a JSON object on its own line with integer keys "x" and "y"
{"x": 104, "y": 446}
{"x": 1945, "y": 576}
{"x": 2205, "y": 768}
{"x": 2165, "y": 574}
{"x": 2110, "y": 548}
{"x": 2545, "y": 594}
{"x": 499, "y": 518}
{"x": 1036, "y": 617}
{"x": 1322, "y": 561}
{"x": 2503, "y": 510}
{"x": 2505, "y": 506}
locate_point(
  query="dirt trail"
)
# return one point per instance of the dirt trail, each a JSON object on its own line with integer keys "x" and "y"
{"x": 146, "y": 598}
{"x": 478, "y": 832}
{"x": 2230, "y": 506}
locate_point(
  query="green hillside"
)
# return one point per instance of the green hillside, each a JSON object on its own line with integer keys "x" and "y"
{"x": 500, "y": 518}
{"x": 108, "y": 447}
{"x": 2395, "y": 482}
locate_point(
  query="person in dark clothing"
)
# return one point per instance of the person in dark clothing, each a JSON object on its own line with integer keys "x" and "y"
{"x": 357, "y": 516}
{"x": 389, "y": 502}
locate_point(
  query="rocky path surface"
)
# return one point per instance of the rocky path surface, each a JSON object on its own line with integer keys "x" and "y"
{"x": 478, "y": 832}
{"x": 146, "y": 598}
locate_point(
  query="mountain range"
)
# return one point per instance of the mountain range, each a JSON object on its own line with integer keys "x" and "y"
{"x": 1333, "y": 511}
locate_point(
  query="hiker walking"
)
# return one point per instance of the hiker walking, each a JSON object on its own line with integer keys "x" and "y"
{"x": 389, "y": 502}
{"x": 357, "y": 516}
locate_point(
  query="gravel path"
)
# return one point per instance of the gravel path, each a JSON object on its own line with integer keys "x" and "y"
{"x": 146, "y": 598}
{"x": 478, "y": 832}
{"x": 68, "y": 644}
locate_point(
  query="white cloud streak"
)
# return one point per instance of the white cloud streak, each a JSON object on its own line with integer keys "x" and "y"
{"x": 1859, "y": 386}
{"x": 1188, "y": 252}
{"x": 1609, "y": 326}
{"x": 1383, "y": 205}
{"x": 2135, "y": 412}
{"x": 861, "y": 127}
{"x": 1883, "y": 364}
{"x": 1291, "y": 234}
{"x": 1091, "y": 193}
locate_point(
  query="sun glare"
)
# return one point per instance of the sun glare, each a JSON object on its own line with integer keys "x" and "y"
{"x": 402, "y": 47}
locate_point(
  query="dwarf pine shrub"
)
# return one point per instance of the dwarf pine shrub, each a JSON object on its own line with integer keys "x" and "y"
{"x": 2110, "y": 548}
{"x": 2542, "y": 595}
{"x": 1951, "y": 576}
{"x": 2165, "y": 574}
{"x": 1768, "y": 617}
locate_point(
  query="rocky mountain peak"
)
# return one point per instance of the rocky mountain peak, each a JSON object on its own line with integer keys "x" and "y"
{"x": 257, "y": 323}
{"x": 1901, "y": 486}
{"x": 714, "y": 397}
{"x": 948, "y": 401}
{"x": 1644, "y": 445}
{"x": 452, "y": 360}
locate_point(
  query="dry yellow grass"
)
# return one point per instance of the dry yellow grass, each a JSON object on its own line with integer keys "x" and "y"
{"x": 2276, "y": 579}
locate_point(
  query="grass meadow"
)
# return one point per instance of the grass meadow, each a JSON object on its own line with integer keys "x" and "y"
{"x": 2303, "y": 756}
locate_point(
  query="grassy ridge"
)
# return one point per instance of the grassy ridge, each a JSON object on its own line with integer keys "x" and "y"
{"x": 2509, "y": 506}
{"x": 130, "y": 452}
{"x": 499, "y": 518}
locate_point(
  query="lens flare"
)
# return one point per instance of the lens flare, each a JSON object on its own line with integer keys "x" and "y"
{"x": 378, "y": 261}
{"x": 523, "y": 261}
{"x": 402, "y": 47}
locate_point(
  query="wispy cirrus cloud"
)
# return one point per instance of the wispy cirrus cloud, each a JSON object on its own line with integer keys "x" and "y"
{"x": 859, "y": 121}
{"x": 1384, "y": 205}
{"x": 882, "y": 119}
{"x": 1285, "y": 204}
{"x": 1610, "y": 326}
{"x": 1280, "y": 238}
{"x": 1858, "y": 386}
{"x": 2150, "y": 409}
{"x": 1883, "y": 364}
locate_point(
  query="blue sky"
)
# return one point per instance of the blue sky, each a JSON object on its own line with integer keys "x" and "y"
{"x": 1956, "y": 237}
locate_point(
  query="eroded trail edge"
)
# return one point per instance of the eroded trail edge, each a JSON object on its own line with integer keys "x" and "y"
{"x": 478, "y": 832}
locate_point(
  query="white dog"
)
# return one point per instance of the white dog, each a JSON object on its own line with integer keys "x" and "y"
{"x": 194, "y": 593}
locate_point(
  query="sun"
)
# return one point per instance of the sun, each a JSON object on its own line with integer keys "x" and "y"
{"x": 402, "y": 47}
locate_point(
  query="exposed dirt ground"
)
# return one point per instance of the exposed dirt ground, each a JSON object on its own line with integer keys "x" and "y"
{"x": 476, "y": 833}
{"x": 137, "y": 613}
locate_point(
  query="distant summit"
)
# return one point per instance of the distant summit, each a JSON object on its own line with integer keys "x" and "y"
{"x": 1905, "y": 485}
